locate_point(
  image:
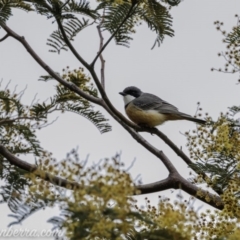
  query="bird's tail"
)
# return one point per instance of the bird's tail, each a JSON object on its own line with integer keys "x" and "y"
{"x": 193, "y": 119}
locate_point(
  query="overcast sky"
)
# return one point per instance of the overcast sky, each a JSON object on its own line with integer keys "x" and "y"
{"x": 178, "y": 72}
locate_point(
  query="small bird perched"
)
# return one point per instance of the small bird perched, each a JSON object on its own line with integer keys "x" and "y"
{"x": 148, "y": 110}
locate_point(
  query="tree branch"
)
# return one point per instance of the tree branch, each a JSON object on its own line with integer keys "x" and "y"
{"x": 173, "y": 146}
{"x": 31, "y": 168}
{"x": 69, "y": 85}
{"x": 5, "y": 37}
{"x": 101, "y": 56}
{"x": 73, "y": 50}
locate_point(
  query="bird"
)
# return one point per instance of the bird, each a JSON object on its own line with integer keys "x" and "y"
{"x": 148, "y": 110}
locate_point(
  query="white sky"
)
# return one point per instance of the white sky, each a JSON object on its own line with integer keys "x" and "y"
{"x": 178, "y": 72}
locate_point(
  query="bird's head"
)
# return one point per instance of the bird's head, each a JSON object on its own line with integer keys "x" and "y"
{"x": 130, "y": 93}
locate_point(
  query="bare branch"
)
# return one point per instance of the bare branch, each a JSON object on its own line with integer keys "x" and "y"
{"x": 5, "y": 37}
{"x": 101, "y": 56}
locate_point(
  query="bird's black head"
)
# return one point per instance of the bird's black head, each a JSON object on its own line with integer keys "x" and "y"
{"x": 132, "y": 91}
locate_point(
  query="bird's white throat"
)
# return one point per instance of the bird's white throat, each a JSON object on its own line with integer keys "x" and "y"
{"x": 127, "y": 99}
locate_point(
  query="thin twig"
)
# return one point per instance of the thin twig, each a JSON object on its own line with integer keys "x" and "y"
{"x": 100, "y": 47}
{"x": 5, "y": 37}
{"x": 64, "y": 4}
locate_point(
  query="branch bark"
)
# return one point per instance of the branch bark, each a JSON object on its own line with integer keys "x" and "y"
{"x": 101, "y": 56}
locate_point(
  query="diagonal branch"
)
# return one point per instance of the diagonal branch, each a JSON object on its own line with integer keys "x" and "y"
{"x": 69, "y": 44}
{"x": 69, "y": 85}
{"x": 101, "y": 58}
{"x": 161, "y": 135}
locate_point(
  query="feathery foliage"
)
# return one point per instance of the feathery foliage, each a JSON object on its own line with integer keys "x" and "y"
{"x": 113, "y": 16}
{"x": 65, "y": 11}
{"x": 152, "y": 12}
{"x": 62, "y": 10}
{"x": 72, "y": 28}
{"x": 158, "y": 20}
{"x": 232, "y": 55}
{"x": 216, "y": 149}
{"x": 17, "y": 131}
{"x": 66, "y": 100}
{"x": 7, "y": 5}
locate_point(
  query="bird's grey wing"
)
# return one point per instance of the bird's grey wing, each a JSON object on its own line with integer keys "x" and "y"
{"x": 149, "y": 101}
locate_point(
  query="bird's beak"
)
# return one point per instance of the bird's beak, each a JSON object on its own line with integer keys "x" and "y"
{"x": 122, "y": 93}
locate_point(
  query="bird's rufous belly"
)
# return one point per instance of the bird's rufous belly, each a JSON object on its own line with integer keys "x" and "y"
{"x": 150, "y": 118}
